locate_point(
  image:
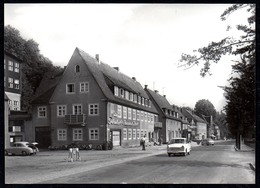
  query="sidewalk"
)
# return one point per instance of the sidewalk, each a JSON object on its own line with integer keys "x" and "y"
{"x": 245, "y": 148}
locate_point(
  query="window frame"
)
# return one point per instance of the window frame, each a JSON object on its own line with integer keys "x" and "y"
{"x": 93, "y": 107}
{"x": 74, "y": 134}
{"x": 85, "y": 87}
{"x": 62, "y": 114}
{"x": 62, "y": 134}
{"x": 74, "y": 108}
{"x": 95, "y": 133}
{"x": 39, "y": 110}
{"x": 72, "y": 84}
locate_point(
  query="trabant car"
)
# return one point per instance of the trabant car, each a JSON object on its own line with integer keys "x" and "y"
{"x": 178, "y": 146}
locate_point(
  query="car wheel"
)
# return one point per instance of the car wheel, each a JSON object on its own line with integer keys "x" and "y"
{"x": 169, "y": 154}
{"x": 24, "y": 153}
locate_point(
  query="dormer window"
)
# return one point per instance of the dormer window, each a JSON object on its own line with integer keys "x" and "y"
{"x": 135, "y": 98}
{"x": 142, "y": 101}
{"x": 77, "y": 69}
{"x": 115, "y": 90}
{"x": 139, "y": 100}
{"x": 126, "y": 95}
{"x": 122, "y": 93}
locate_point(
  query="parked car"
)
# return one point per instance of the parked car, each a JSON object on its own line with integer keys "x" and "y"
{"x": 22, "y": 148}
{"x": 178, "y": 146}
{"x": 207, "y": 142}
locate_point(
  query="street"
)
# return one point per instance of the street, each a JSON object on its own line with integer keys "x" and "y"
{"x": 219, "y": 164}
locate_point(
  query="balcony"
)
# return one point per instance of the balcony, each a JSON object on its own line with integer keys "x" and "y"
{"x": 157, "y": 124}
{"x": 72, "y": 119}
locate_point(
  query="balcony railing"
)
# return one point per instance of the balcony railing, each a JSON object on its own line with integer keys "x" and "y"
{"x": 157, "y": 124}
{"x": 72, "y": 119}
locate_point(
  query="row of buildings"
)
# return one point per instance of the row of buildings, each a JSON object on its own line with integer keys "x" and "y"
{"x": 91, "y": 103}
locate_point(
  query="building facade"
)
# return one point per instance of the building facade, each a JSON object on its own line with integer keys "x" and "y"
{"x": 168, "y": 116}
{"x": 92, "y": 103}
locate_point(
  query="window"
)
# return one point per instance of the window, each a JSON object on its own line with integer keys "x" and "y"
{"x": 42, "y": 111}
{"x": 61, "y": 110}
{"x": 142, "y": 133}
{"x": 70, "y": 88}
{"x": 135, "y": 98}
{"x": 148, "y": 117}
{"x": 145, "y": 116}
{"x": 146, "y": 102}
{"x": 77, "y": 134}
{"x": 131, "y": 96}
{"x": 124, "y": 134}
{"x": 16, "y": 67}
{"x": 15, "y": 103}
{"x": 152, "y": 120}
{"x": 93, "y": 109}
{"x": 134, "y": 114}
{"x": 122, "y": 93}
{"x": 10, "y": 82}
{"x": 141, "y": 116}
{"x": 137, "y": 115}
{"x": 124, "y": 112}
{"x": 16, "y": 84}
{"x": 134, "y": 134}
{"x": 126, "y": 95}
{"x": 115, "y": 90}
{"x": 93, "y": 134}
{"x": 129, "y": 113}
{"x": 10, "y": 65}
{"x": 84, "y": 87}
{"x": 77, "y": 109}
{"x": 77, "y": 68}
{"x": 138, "y": 133}
{"x": 139, "y": 100}
{"x": 4, "y": 63}
{"x": 119, "y": 111}
{"x": 129, "y": 134}
{"x": 62, "y": 134}
{"x": 142, "y": 101}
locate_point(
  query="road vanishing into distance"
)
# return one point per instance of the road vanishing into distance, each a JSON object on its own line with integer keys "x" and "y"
{"x": 218, "y": 164}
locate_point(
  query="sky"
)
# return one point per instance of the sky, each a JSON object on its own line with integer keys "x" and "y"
{"x": 144, "y": 40}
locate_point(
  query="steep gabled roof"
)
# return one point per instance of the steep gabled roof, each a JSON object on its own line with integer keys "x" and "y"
{"x": 45, "y": 97}
{"x": 105, "y": 75}
{"x": 194, "y": 116}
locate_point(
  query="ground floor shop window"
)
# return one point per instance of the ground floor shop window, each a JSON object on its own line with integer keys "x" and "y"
{"x": 138, "y": 133}
{"x": 62, "y": 134}
{"x": 93, "y": 134}
{"x": 134, "y": 134}
{"x": 77, "y": 134}
{"x": 124, "y": 134}
{"x": 129, "y": 134}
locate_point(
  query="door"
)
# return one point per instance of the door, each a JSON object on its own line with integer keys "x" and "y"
{"x": 43, "y": 137}
{"x": 116, "y": 138}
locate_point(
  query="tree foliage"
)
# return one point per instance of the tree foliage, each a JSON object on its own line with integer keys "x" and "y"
{"x": 221, "y": 122}
{"x": 34, "y": 66}
{"x": 204, "y": 108}
{"x": 245, "y": 45}
{"x": 240, "y": 96}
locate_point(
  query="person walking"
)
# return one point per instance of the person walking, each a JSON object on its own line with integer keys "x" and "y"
{"x": 143, "y": 142}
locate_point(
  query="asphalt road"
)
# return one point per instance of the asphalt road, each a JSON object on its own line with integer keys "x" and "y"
{"x": 218, "y": 164}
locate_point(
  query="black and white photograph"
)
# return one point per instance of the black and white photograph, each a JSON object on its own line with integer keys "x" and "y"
{"x": 129, "y": 93}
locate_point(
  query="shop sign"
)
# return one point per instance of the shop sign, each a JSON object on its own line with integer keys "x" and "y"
{"x": 114, "y": 121}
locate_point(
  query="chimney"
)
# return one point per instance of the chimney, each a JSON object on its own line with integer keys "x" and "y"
{"x": 156, "y": 91}
{"x": 97, "y": 58}
{"x": 116, "y": 68}
{"x": 145, "y": 86}
{"x": 134, "y": 78}
{"x": 164, "y": 96}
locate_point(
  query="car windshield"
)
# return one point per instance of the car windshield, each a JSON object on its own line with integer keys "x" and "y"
{"x": 177, "y": 141}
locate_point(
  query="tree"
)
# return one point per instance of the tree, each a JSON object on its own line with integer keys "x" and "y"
{"x": 241, "y": 92}
{"x": 220, "y": 121}
{"x": 245, "y": 45}
{"x": 204, "y": 108}
{"x": 35, "y": 65}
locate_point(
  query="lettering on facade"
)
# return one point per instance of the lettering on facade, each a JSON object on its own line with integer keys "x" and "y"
{"x": 113, "y": 121}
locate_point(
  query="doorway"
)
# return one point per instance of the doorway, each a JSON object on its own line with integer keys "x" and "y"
{"x": 116, "y": 138}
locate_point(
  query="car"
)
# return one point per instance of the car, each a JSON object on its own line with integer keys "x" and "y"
{"x": 207, "y": 142}
{"x": 178, "y": 146}
{"x": 22, "y": 148}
